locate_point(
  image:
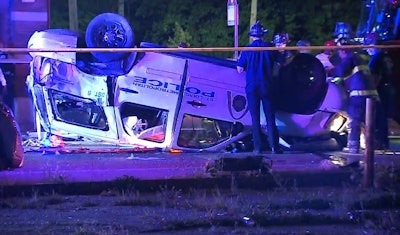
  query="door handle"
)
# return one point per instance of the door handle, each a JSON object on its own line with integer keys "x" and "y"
{"x": 196, "y": 103}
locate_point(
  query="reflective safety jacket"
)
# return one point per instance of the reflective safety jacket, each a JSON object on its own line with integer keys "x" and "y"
{"x": 354, "y": 72}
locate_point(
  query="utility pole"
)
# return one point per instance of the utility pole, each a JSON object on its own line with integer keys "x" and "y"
{"x": 253, "y": 13}
{"x": 73, "y": 15}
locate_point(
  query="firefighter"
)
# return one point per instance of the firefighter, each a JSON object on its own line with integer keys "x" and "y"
{"x": 260, "y": 87}
{"x": 281, "y": 40}
{"x": 353, "y": 72}
{"x": 342, "y": 31}
{"x": 381, "y": 66}
{"x": 304, "y": 43}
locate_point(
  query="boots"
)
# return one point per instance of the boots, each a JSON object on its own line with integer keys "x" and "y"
{"x": 353, "y": 146}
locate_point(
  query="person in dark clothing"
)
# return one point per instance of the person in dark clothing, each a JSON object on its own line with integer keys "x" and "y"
{"x": 353, "y": 72}
{"x": 281, "y": 40}
{"x": 304, "y": 43}
{"x": 260, "y": 86}
{"x": 3, "y": 84}
{"x": 381, "y": 66}
{"x": 7, "y": 71}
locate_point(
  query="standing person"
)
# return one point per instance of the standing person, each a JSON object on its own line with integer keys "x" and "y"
{"x": 3, "y": 82}
{"x": 281, "y": 40}
{"x": 304, "y": 43}
{"x": 3, "y": 85}
{"x": 381, "y": 66}
{"x": 325, "y": 56}
{"x": 7, "y": 71}
{"x": 260, "y": 86}
{"x": 353, "y": 72}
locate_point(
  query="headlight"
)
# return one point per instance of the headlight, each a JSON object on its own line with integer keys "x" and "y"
{"x": 336, "y": 122}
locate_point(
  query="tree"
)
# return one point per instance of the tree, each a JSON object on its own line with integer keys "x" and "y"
{"x": 203, "y": 23}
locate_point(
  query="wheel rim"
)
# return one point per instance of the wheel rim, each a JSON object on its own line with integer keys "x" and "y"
{"x": 110, "y": 35}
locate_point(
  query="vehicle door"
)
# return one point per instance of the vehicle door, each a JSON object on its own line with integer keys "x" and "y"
{"x": 147, "y": 99}
{"x": 70, "y": 102}
{"x": 213, "y": 101}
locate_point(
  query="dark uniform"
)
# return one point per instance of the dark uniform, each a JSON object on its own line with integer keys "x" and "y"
{"x": 381, "y": 68}
{"x": 9, "y": 74}
{"x": 260, "y": 87}
{"x": 354, "y": 72}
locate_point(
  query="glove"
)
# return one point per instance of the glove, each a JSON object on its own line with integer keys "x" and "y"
{"x": 337, "y": 80}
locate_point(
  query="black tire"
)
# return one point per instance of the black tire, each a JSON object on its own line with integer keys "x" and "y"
{"x": 11, "y": 150}
{"x": 109, "y": 30}
{"x": 302, "y": 85}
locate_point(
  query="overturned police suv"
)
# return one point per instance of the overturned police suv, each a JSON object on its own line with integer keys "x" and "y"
{"x": 175, "y": 100}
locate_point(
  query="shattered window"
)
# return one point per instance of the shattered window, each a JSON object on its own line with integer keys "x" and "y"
{"x": 201, "y": 132}
{"x": 144, "y": 122}
{"x": 77, "y": 110}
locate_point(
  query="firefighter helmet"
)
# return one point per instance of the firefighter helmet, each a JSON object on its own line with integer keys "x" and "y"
{"x": 329, "y": 43}
{"x": 303, "y": 43}
{"x": 281, "y": 38}
{"x": 342, "y": 30}
{"x": 257, "y": 30}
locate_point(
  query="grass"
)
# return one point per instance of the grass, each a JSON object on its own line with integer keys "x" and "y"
{"x": 170, "y": 208}
{"x": 376, "y": 210}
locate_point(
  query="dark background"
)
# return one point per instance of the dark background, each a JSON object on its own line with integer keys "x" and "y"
{"x": 204, "y": 23}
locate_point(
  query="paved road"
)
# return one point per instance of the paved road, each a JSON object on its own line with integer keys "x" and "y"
{"x": 55, "y": 167}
